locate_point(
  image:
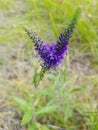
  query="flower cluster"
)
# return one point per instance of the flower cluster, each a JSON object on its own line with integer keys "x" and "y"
{"x": 53, "y": 54}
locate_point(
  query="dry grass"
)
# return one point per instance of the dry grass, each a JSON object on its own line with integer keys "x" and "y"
{"x": 17, "y": 66}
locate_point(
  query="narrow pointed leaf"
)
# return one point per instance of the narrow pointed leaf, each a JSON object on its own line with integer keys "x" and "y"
{"x": 27, "y": 117}
{"x": 46, "y": 109}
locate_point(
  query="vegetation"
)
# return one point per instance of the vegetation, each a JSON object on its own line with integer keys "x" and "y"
{"x": 66, "y": 98}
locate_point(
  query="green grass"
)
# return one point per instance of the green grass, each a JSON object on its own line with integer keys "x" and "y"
{"x": 67, "y": 97}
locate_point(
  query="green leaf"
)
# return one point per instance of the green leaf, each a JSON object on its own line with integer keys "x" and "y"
{"x": 36, "y": 101}
{"x": 37, "y": 126}
{"x": 68, "y": 111}
{"x": 79, "y": 89}
{"x": 22, "y": 103}
{"x": 44, "y": 127}
{"x": 46, "y": 109}
{"x": 64, "y": 73}
{"x": 32, "y": 127}
{"x": 35, "y": 79}
{"x": 27, "y": 117}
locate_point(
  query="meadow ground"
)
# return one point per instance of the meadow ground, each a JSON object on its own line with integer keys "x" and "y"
{"x": 72, "y": 88}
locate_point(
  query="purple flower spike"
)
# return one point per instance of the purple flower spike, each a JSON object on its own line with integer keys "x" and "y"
{"x": 52, "y": 55}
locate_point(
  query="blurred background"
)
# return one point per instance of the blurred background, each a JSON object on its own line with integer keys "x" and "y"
{"x": 77, "y": 77}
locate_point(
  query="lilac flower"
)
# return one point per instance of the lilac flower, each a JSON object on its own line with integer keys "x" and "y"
{"x": 53, "y": 54}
